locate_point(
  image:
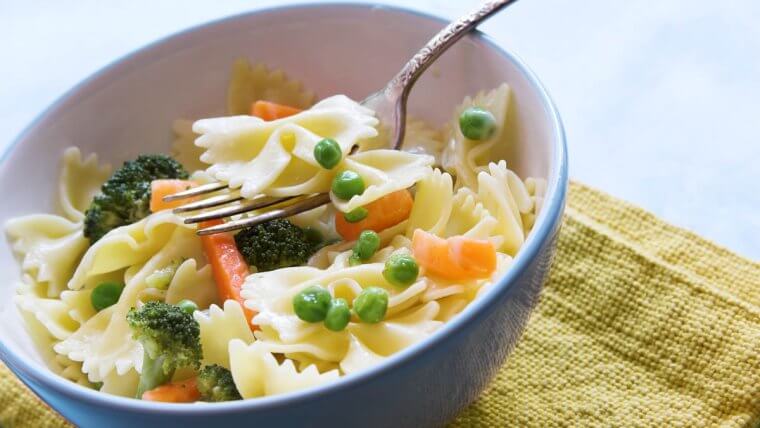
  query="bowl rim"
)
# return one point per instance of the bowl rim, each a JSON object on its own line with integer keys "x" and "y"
{"x": 546, "y": 223}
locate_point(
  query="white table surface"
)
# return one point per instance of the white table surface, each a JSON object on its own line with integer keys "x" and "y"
{"x": 659, "y": 99}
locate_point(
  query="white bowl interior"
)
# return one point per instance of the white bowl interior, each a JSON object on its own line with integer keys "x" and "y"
{"x": 128, "y": 108}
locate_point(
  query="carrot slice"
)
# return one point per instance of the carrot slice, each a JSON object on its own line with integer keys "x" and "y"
{"x": 166, "y": 187}
{"x": 382, "y": 213}
{"x": 268, "y": 110}
{"x": 185, "y": 391}
{"x": 227, "y": 264}
{"x": 474, "y": 255}
{"x": 457, "y": 258}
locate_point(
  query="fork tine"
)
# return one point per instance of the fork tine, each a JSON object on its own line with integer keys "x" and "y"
{"x": 298, "y": 207}
{"x": 195, "y": 191}
{"x": 260, "y": 202}
{"x": 211, "y": 202}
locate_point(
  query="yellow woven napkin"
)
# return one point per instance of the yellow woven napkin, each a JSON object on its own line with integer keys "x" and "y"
{"x": 641, "y": 324}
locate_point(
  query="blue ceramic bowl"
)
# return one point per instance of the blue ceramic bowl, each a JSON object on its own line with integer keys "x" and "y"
{"x": 336, "y": 48}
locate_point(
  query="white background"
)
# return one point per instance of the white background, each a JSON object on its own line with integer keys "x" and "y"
{"x": 660, "y": 99}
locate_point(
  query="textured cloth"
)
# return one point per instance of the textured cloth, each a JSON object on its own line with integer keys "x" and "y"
{"x": 640, "y": 324}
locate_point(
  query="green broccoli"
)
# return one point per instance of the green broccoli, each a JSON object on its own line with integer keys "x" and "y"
{"x": 274, "y": 244}
{"x": 215, "y": 384}
{"x": 170, "y": 338}
{"x": 125, "y": 197}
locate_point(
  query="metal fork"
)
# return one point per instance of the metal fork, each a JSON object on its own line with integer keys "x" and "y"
{"x": 388, "y": 103}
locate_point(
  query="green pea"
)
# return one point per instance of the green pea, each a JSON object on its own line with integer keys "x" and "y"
{"x": 371, "y": 304}
{"x": 312, "y": 303}
{"x": 367, "y": 245}
{"x": 338, "y": 315}
{"x": 313, "y": 235}
{"x": 105, "y": 295}
{"x": 477, "y": 123}
{"x": 327, "y": 152}
{"x": 347, "y": 184}
{"x": 356, "y": 215}
{"x": 401, "y": 270}
{"x": 187, "y": 306}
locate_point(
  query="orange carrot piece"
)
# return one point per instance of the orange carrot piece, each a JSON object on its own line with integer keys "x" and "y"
{"x": 185, "y": 391}
{"x": 268, "y": 110}
{"x": 456, "y": 258}
{"x": 432, "y": 253}
{"x": 227, "y": 264}
{"x": 382, "y": 213}
{"x": 475, "y": 255}
{"x": 166, "y": 187}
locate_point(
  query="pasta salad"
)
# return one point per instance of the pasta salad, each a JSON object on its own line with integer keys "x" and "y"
{"x": 121, "y": 295}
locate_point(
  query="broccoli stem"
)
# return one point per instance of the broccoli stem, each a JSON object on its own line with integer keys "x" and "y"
{"x": 152, "y": 375}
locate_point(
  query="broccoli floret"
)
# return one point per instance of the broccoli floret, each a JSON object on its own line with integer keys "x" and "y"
{"x": 274, "y": 244}
{"x": 170, "y": 338}
{"x": 215, "y": 384}
{"x": 125, "y": 197}
{"x": 101, "y": 217}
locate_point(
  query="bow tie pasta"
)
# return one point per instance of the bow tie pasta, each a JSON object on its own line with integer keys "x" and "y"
{"x": 257, "y": 372}
{"x": 249, "y": 83}
{"x": 50, "y": 245}
{"x": 383, "y": 172}
{"x": 270, "y": 295}
{"x": 276, "y": 158}
{"x": 104, "y": 342}
{"x": 463, "y": 156}
{"x": 122, "y": 295}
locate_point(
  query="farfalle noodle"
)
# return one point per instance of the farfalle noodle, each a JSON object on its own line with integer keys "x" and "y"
{"x": 220, "y": 326}
{"x": 257, "y": 373}
{"x": 104, "y": 343}
{"x": 407, "y": 320}
{"x": 464, "y": 157}
{"x": 251, "y": 154}
{"x": 249, "y": 83}
{"x": 277, "y": 157}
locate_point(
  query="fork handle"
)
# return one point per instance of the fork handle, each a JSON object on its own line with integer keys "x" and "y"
{"x": 404, "y": 80}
